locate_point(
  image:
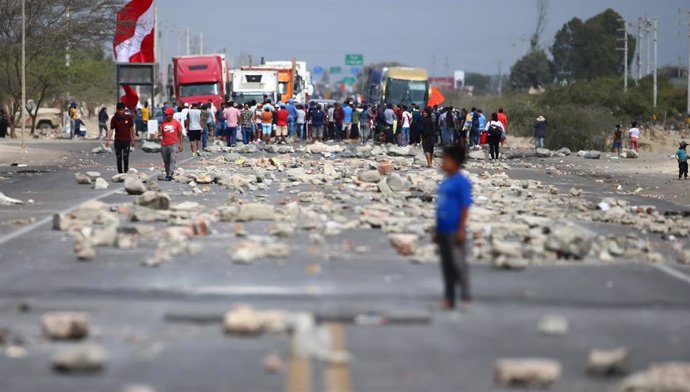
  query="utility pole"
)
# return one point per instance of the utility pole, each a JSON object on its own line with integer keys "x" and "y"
{"x": 656, "y": 58}
{"x": 639, "y": 49}
{"x": 647, "y": 30}
{"x": 201, "y": 43}
{"x": 23, "y": 105}
{"x": 188, "y": 43}
{"x": 500, "y": 78}
{"x": 688, "y": 111}
{"x": 625, "y": 53}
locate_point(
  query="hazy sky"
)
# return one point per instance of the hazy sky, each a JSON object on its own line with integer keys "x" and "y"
{"x": 472, "y": 35}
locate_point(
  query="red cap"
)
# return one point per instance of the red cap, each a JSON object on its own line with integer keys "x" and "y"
{"x": 169, "y": 111}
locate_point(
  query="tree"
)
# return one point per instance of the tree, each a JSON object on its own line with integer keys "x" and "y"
{"x": 542, "y": 13}
{"x": 532, "y": 70}
{"x": 589, "y": 50}
{"x": 481, "y": 83}
{"x": 52, "y": 28}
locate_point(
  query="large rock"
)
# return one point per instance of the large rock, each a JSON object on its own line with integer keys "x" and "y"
{"x": 661, "y": 377}
{"x": 255, "y": 211}
{"x": 297, "y": 174}
{"x": 405, "y": 244}
{"x": 134, "y": 186}
{"x": 247, "y": 149}
{"x": 630, "y": 154}
{"x": 396, "y": 183}
{"x": 592, "y": 154}
{"x": 120, "y": 177}
{"x": 544, "y": 153}
{"x": 564, "y": 151}
{"x": 372, "y": 176}
{"x": 569, "y": 241}
{"x": 478, "y": 155}
{"x": 93, "y": 175}
{"x": 526, "y": 372}
{"x": 397, "y": 151}
{"x": 8, "y": 201}
{"x": 608, "y": 362}
{"x": 84, "y": 358}
{"x": 151, "y": 147}
{"x": 105, "y": 236}
{"x": 83, "y": 179}
{"x": 65, "y": 325}
{"x": 155, "y": 200}
{"x": 100, "y": 184}
{"x": 243, "y": 320}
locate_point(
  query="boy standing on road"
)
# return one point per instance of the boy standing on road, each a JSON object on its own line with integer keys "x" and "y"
{"x": 618, "y": 140}
{"x": 453, "y": 206}
{"x": 123, "y": 126}
{"x": 170, "y": 133}
{"x": 682, "y": 157}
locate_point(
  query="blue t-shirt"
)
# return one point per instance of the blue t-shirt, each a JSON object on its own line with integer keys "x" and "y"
{"x": 347, "y": 114}
{"x": 454, "y": 195}
{"x": 682, "y": 155}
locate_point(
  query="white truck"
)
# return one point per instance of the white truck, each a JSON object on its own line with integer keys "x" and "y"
{"x": 304, "y": 89}
{"x": 252, "y": 85}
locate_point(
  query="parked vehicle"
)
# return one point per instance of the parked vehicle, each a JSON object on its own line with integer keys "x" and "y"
{"x": 200, "y": 78}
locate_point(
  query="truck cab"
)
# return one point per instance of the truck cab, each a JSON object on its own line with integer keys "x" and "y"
{"x": 252, "y": 84}
{"x": 201, "y": 78}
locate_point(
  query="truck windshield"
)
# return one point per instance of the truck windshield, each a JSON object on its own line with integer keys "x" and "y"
{"x": 242, "y": 98}
{"x": 197, "y": 89}
{"x": 407, "y": 92}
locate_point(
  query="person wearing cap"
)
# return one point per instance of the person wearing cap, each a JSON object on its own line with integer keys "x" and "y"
{"x": 172, "y": 142}
{"x": 682, "y": 157}
{"x": 282, "y": 120}
{"x": 122, "y": 124}
{"x": 540, "y": 132}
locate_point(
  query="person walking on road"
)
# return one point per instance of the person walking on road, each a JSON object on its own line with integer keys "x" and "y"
{"x": 338, "y": 117}
{"x": 301, "y": 123}
{"x": 540, "y": 132}
{"x": 318, "y": 122}
{"x": 232, "y": 118}
{"x": 122, "y": 124}
{"x": 266, "y": 124}
{"x": 172, "y": 142}
{"x": 282, "y": 120}
{"x": 495, "y": 134}
{"x": 347, "y": 121}
{"x": 103, "y": 122}
{"x": 504, "y": 120}
{"x": 634, "y": 135}
{"x": 428, "y": 136}
{"x": 195, "y": 129}
{"x": 682, "y": 157}
{"x": 452, "y": 212}
{"x": 365, "y": 124}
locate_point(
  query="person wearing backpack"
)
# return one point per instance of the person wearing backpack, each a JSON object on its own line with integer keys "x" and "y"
{"x": 495, "y": 130}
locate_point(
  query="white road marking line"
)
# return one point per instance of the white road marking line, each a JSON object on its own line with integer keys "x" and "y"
{"x": 673, "y": 272}
{"x": 29, "y": 228}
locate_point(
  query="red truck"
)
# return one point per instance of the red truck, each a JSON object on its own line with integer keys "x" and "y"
{"x": 200, "y": 78}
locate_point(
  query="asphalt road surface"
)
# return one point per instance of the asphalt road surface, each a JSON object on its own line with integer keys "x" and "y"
{"x": 162, "y": 327}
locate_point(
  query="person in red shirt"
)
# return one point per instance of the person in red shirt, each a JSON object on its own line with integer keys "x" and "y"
{"x": 503, "y": 119}
{"x": 281, "y": 124}
{"x": 170, "y": 133}
{"x": 122, "y": 124}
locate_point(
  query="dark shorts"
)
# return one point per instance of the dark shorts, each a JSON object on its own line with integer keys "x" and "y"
{"x": 194, "y": 135}
{"x": 618, "y": 144}
{"x": 428, "y": 146}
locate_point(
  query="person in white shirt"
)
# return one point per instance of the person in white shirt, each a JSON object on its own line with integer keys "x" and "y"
{"x": 195, "y": 129}
{"x": 634, "y": 134}
{"x": 495, "y": 131}
{"x": 181, "y": 116}
{"x": 301, "y": 122}
{"x": 405, "y": 128}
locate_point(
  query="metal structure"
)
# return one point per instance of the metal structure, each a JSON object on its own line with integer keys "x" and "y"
{"x": 625, "y": 53}
{"x": 137, "y": 74}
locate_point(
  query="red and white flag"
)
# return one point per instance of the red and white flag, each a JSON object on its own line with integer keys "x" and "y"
{"x": 134, "y": 37}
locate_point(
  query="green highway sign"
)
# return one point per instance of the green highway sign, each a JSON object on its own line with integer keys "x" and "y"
{"x": 354, "y": 59}
{"x": 349, "y": 80}
{"x": 335, "y": 70}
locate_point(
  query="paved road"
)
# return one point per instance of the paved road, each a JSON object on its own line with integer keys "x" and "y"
{"x": 162, "y": 327}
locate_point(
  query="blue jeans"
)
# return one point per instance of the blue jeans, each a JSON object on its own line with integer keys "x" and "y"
{"x": 302, "y": 128}
{"x": 291, "y": 126}
{"x": 247, "y": 133}
{"x": 447, "y": 136}
{"x": 405, "y": 136}
{"x": 474, "y": 137}
{"x": 231, "y": 136}
{"x": 539, "y": 142}
{"x": 204, "y": 138}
